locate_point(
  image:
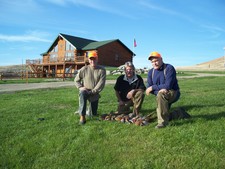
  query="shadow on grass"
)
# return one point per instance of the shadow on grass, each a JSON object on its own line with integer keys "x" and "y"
{"x": 148, "y": 111}
{"x": 211, "y": 116}
{"x": 206, "y": 116}
{"x": 180, "y": 122}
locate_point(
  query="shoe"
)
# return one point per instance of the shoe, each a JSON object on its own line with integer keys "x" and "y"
{"x": 82, "y": 122}
{"x": 95, "y": 115}
{"x": 159, "y": 126}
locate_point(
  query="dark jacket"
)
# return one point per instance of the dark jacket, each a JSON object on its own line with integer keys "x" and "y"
{"x": 123, "y": 86}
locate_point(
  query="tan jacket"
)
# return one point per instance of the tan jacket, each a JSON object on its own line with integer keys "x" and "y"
{"x": 92, "y": 79}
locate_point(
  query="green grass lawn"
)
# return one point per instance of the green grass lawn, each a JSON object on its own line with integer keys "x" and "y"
{"x": 59, "y": 141}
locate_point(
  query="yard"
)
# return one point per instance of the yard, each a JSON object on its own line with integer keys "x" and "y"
{"x": 39, "y": 130}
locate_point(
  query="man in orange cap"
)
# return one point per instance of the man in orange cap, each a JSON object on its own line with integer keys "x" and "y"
{"x": 90, "y": 81}
{"x": 162, "y": 82}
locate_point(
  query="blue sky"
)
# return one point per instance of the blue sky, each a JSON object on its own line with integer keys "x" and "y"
{"x": 185, "y": 32}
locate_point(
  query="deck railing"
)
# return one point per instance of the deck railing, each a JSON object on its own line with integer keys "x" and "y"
{"x": 35, "y": 61}
{"x": 77, "y": 59}
{"x": 27, "y": 75}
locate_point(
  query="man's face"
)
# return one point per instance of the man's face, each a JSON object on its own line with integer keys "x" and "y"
{"x": 156, "y": 63}
{"x": 129, "y": 71}
{"x": 93, "y": 61}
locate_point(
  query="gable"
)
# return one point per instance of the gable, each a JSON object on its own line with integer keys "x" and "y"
{"x": 76, "y": 42}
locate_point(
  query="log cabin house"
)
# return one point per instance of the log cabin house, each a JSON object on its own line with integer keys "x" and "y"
{"x": 67, "y": 54}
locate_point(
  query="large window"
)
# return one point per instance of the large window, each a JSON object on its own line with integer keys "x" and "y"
{"x": 69, "y": 46}
{"x": 53, "y": 57}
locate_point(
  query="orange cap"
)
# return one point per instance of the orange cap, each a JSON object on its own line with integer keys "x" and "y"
{"x": 155, "y": 55}
{"x": 92, "y": 54}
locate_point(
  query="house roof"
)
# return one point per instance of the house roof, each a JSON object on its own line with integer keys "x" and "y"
{"x": 96, "y": 45}
{"x": 77, "y": 42}
{"x": 84, "y": 44}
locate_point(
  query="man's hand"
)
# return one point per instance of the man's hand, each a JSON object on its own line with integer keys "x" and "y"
{"x": 82, "y": 88}
{"x": 130, "y": 94}
{"x": 85, "y": 89}
{"x": 148, "y": 90}
{"x": 163, "y": 91}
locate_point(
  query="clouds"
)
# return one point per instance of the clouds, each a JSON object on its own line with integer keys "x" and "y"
{"x": 32, "y": 36}
{"x": 18, "y": 7}
{"x": 111, "y": 7}
{"x": 157, "y": 8}
{"x": 216, "y": 31}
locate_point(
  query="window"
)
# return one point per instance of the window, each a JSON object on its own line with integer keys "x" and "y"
{"x": 55, "y": 49}
{"x": 53, "y": 57}
{"x": 69, "y": 46}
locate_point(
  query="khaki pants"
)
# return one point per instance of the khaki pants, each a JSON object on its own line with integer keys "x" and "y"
{"x": 164, "y": 102}
{"x": 136, "y": 101}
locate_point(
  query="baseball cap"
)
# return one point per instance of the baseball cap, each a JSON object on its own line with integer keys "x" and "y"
{"x": 92, "y": 54}
{"x": 155, "y": 55}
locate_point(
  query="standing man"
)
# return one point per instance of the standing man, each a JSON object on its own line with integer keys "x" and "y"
{"x": 129, "y": 89}
{"x": 162, "y": 82}
{"x": 90, "y": 81}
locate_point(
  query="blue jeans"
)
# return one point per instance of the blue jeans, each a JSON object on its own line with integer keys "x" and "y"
{"x": 83, "y": 98}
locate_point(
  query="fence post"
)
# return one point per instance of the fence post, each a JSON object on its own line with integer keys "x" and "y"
{"x": 26, "y": 76}
{"x": 22, "y": 75}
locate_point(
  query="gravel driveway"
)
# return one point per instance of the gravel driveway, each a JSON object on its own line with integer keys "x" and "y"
{"x": 8, "y": 88}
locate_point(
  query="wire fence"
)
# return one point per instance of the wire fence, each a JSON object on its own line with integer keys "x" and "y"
{"x": 27, "y": 75}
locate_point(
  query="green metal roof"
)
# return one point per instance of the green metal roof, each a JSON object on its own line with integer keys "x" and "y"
{"x": 96, "y": 45}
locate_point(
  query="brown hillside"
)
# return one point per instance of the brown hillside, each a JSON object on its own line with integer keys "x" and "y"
{"x": 12, "y": 68}
{"x": 216, "y": 64}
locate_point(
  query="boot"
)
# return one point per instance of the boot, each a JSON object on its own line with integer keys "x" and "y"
{"x": 82, "y": 120}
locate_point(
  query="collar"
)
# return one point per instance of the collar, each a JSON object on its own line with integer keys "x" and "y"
{"x": 162, "y": 67}
{"x": 130, "y": 80}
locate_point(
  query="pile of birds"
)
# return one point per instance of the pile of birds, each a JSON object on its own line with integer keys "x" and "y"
{"x": 130, "y": 118}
